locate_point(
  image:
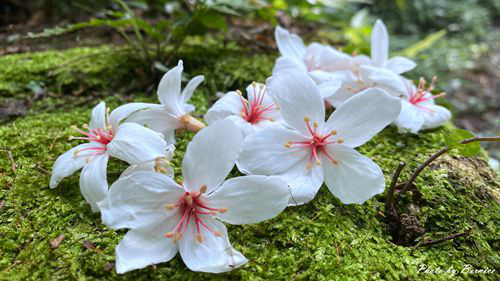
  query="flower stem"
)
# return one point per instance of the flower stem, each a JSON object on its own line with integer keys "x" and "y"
{"x": 390, "y": 193}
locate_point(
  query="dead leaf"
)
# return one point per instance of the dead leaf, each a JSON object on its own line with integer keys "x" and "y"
{"x": 89, "y": 245}
{"x": 55, "y": 242}
{"x": 109, "y": 266}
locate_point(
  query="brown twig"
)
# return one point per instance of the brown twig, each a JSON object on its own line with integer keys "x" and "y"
{"x": 390, "y": 193}
{"x": 11, "y": 159}
{"x": 433, "y": 157}
{"x": 441, "y": 240}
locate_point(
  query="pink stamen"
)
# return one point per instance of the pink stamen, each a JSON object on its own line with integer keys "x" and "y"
{"x": 421, "y": 95}
{"x": 255, "y": 112}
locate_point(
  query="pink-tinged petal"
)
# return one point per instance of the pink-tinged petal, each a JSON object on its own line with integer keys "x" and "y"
{"x": 298, "y": 98}
{"x": 400, "y": 64}
{"x": 436, "y": 116}
{"x": 288, "y": 64}
{"x": 265, "y": 153}
{"x": 379, "y": 44}
{"x": 215, "y": 254}
{"x": 127, "y": 110}
{"x": 250, "y": 199}
{"x": 98, "y": 116}
{"x": 68, "y": 163}
{"x": 304, "y": 182}
{"x": 289, "y": 44}
{"x": 169, "y": 90}
{"x": 355, "y": 178}
{"x": 211, "y": 155}
{"x": 362, "y": 116}
{"x": 140, "y": 200}
{"x": 229, "y": 104}
{"x": 159, "y": 119}
{"x": 136, "y": 144}
{"x": 142, "y": 247}
{"x": 93, "y": 180}
{"x": 411, "y": 119}
{"x": 190, "y": 87}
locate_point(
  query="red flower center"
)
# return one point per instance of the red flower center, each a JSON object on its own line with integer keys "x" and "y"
{"x": 254, "y": 111}
{"x": 421, "y": 93}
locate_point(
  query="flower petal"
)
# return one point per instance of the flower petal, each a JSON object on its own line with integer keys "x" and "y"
{"x": 334, "y": 60}
{"x": 265, "y": 153}
{"x": 211, "y": 155}
{"x": 362, "y": 116}
{"x": 436, "y": 116}
{"x": 190, "y": 87}
{"x": 288, "y": 63}
{"x": 151, "y": 166}
{"x": 400, "y": 64}
{"x": 379, "y": 44}
{"x": 328, "y": 89}
{"x": 304, "y": 182}
{"x": 298, "y": 97}
{"x": 229, "y": 104}
{"x": 289, "y": 44}
{"x": 355, "y": 178}
{"x": 139, "y": 200}
{"x": 250, "y": 199}
{"x": 136, "y": 144}
{"x": 159, "y": 119}
{"x": 169, "y": 90}
{"x": 146, "y": 246}
{"x": 98, "y": 117}
{"x": 68, "y": 163}
{"x": 384, "y": 79}
{"x": 122, "y": 112}
{"x": 93, "y": 180}
{"x": 215, "y": 254}
{"x": 410, "y": 119}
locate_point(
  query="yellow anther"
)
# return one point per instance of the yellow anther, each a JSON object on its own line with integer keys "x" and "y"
{"x": 318, "y": 162}
{"x": 74, "y": 127}
{"x": 70, "y": 138}
{"x": 315, "y": 124}
{"x": 309, "y": 165}
{"x": 170, "y": 206}
{"x": 340, "y": 141}
{"x": 169, "y": 234}
{"x": 288, "y": 144}
{"x": 199, "y": 238}
{"x": 239, "y": 93}
{"x": 254, "y": 84}
{"x": 97, "y": 137}
{"x": 88, "y": 160}
{"x": 217, "y": 233}
{"x": 261, "y": 86}
{"x": 335, "y": 162}
{"x": 178, "y": 236}
{"x": 76, "y": 152}
{"x": 85, "y": 126}
{"x": 306, "y": 119}
{"x": 223, "y": 210}
{"x": 203, "y": 188}
{"x": 189, "y": 200}
{"x": 333, "y": 133}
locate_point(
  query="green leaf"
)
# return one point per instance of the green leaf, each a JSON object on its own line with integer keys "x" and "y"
{"x": 212, "y": 19}
{"x": 453, "y": 139}
{"x": 423, "y": 44}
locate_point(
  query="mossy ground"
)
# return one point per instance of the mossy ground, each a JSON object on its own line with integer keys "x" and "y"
{"x": 323, "y": 240}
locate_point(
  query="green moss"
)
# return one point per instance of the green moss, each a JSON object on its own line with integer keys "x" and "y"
{"x": 323, "y": 240}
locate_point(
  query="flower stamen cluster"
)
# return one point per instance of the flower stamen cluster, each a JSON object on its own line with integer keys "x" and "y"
{"x": 254, "y": 111}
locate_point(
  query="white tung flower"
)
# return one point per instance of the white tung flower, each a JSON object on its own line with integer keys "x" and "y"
{"x": 380, "y": 52}
{"x": 419, "y": 110}
{"x": 105, "y": 137}
{"x": 250, "y": 114}
{"x": 165, "y": 218}
{"x": 173, "y": 111}
{"x": 314, "y": 151}
{"x": 160, "y": 164}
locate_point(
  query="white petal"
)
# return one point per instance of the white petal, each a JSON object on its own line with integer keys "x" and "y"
{"x": 287, "y": 64}
{"x": 349, "y": 87}
{"x": 258, "y": 91}
{"x": 146, "y": 246}
{"x": 410, "y": 119}
{"x": 334, "y": 60}
{"x": 189, "y": 107}
{"x": 214, "y": 254}
{"x": 229, "y": 104}
{"x": 362, "y": 116}
{"x": 211, "y": 155}
{"x": 169, "y": 90}
{"x": 93, "y": 180}
{"x": 355, "y": 178}
{"x": 379, "y": 44}
{"x": 400, "y": 64}
{"x": 136, "y": 144}
{"x": 139, "y": 200}
{"x": 98, "y": 117}
{"x": 159, "y": 119}
{"x": 304, "y": 182}
{"x": 328, "y": 89}
{"x": 436, "y": 116}
{"x": 362, "y": 60}
{"x": 151, "y": 165}
{"x": 67, "y": 163}
{"x": 265, "y": 153}
{"x": 382, "y": 78}
{"x": 122, "y": 112}
{"x": 289, "y": 44}
{"x": 190, "y": 87}
{"x": 250, "y": 199}
{"x": 298, "y": 97}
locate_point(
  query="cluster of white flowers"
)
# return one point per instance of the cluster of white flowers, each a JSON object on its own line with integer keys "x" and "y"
{"x": 276, "y": 135}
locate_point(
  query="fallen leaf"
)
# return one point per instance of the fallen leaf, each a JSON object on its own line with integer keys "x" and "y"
{"x": 55, "y": 242}
{"x": 89, "y": 245}
{"x": 109, "y": 266}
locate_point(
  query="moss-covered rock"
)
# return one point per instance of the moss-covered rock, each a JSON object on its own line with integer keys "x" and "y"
{"x": 323, "y": 240}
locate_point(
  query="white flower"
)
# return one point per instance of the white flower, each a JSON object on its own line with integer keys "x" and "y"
{"x": 160, "y": 164}
{"x": 313, "y": 151}
{"x": 380, "y": 52}
{"x": 319, "y": 61}
{"x": 250, "y": 114}
{"x": 173, "y": 111}
{"x": 129, "y": 142}
{"x": 165, "y": 217}
{"x": 363, "y": 78}
{"x": 419, "y": 110}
